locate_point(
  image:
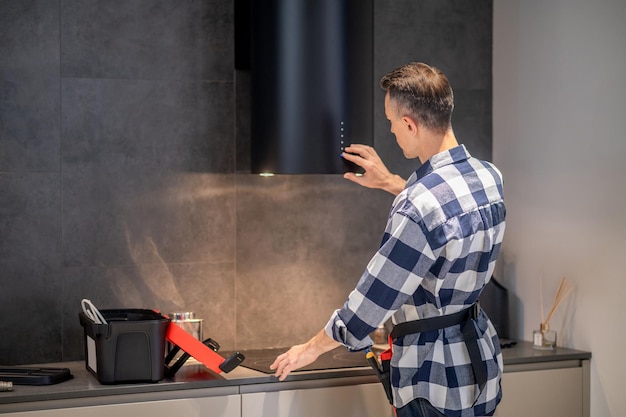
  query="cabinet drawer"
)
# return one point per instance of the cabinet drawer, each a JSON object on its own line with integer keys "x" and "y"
{"x": 549, "y": 392}
{"x": 343, "y": 401}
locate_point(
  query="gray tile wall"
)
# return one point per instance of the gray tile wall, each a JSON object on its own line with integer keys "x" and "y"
{"x": 123, "y": 159}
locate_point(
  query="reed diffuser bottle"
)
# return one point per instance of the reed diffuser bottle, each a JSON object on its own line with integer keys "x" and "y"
{"x": 544, "y": 338}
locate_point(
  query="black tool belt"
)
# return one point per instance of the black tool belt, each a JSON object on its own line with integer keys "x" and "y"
{"x": 470, "y": 336}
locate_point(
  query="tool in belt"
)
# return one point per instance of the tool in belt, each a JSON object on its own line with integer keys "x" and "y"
{"x": 464, "y": 317}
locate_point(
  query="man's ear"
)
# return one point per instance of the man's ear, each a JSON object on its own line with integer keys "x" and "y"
{"x": 410, "y": 124}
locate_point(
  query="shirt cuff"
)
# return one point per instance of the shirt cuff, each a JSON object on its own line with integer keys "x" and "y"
{"x": 337, "y": 330}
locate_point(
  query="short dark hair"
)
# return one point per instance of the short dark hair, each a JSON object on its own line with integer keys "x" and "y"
{"x": 422, "y": 92}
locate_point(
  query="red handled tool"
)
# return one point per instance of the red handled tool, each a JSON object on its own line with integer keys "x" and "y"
{"x": 205, "y": 352}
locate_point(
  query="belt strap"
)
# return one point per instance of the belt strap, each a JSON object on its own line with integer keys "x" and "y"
{"x": 465, "y": 317}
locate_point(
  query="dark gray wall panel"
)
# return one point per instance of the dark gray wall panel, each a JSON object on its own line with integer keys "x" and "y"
{"x": 29, "y": 86}
{"x": 30, "y": 221}
{"x": 151, "y": 126}
{"x": 30, "y": 255}
{"x": 30, "y": 301}
{"x": 152, "y": 39}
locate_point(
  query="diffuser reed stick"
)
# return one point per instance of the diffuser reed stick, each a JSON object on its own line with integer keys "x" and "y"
{"x": 544, "y": 338}
{"x": 565, "y": 288}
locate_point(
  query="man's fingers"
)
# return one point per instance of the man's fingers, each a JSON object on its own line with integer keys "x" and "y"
{"x": 357, "y": 159}
{"x": 359, "y": 149}
{"x": 281, "y": 364}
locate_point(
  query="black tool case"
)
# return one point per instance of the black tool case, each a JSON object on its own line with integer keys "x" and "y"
{"x": 129, "y": 347}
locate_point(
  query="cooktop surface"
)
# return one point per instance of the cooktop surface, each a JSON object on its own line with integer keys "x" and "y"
{"x": 261, "y": 359}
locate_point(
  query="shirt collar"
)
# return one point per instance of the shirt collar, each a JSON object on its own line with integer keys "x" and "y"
{"x": 447, "y": 157}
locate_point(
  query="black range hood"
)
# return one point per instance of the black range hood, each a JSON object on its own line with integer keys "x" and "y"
{"x": 312, "y": 83}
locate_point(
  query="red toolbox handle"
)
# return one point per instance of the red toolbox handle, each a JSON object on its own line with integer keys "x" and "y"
{"x": 211, "y": 359}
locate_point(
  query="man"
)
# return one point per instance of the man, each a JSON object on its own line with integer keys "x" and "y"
{"x": 438, "y": 251}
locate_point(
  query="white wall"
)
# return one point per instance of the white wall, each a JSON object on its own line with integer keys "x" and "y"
{"x": 559, "y": 116}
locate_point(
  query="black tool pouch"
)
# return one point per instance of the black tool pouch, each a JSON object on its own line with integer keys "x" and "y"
{"x": 385, "y": 375}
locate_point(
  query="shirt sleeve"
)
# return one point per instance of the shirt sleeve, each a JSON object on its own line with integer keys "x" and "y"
{"x": 392, "y": 276}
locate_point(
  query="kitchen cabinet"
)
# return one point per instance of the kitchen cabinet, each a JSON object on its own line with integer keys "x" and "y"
{"x": 227, "y": 406}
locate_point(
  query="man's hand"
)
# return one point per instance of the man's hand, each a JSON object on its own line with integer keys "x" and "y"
{"x": 376, "y": 173}
{"x": 302, "y": 355}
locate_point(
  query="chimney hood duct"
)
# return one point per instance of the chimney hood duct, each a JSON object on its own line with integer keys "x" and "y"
{"x": 312, "y": 84}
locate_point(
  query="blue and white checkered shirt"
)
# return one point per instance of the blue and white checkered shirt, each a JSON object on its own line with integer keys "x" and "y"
{"x": 439, "y": 250}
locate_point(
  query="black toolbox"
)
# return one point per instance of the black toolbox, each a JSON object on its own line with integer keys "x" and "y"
{"x": 129, "y": 347}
